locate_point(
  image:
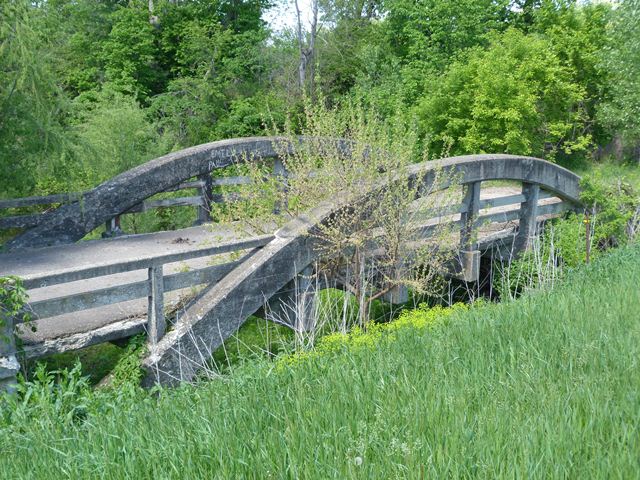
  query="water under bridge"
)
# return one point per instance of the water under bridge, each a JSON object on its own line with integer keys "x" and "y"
{"x": 88, "y": 292}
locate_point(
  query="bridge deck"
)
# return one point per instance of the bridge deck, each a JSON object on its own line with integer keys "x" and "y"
{"x": 39, "y": 261}
{"x": 131, "y": 314}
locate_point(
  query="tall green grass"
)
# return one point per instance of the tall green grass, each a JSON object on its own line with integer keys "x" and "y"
{"x": 547, "y": 386}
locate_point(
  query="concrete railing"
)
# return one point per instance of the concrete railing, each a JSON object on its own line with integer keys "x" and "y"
{"x": 214, "y": 317}
{"x": 467, "y": 215}
{"x": 156, "y": 285}
{"x": 127, "y": 192}
{"x": 202, "y": 201}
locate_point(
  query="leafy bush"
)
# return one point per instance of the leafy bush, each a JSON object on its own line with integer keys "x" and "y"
{"x": 114, "y": 134}
{"x": 620, "y": 110}
{"x": 128, "y": 371}
{"x": 513, "y": 97}
{"x": 612, "y": 205}
{"x": 13, "y": 297}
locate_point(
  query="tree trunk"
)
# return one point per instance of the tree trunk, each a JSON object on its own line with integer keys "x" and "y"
{"x": 153, "y": 19}
{"x": 306, "y": 70}
{"x": 311, "y": 61}
{"x": 302, "y": 66}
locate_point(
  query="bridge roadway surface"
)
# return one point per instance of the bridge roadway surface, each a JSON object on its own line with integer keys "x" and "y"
{"x": 101, "y": 252}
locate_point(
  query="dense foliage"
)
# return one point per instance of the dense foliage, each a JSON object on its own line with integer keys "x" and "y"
{"x": 89, "y": 88}
{"x": 514, "y": 96}
{"x": 621, "y": 58}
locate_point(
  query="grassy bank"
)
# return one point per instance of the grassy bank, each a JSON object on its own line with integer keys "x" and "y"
{"x": 545, "y": 386}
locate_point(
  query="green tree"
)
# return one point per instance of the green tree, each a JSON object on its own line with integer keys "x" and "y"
{"x": 114, "y": 134}
{"x": 514, "y": 97}
{"x": 578, "y": 34}
{"x": 340, "y": 49}
{"x": 129, "y": 53}
{"x": 621, "y": 57}
{"x": 32, "y": 105}
{"x": 77, "y": 30}
{"x": 217, "y": 64}
{"x": 427, "y": 34}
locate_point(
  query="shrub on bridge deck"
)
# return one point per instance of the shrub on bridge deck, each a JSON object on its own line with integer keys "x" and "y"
{"x": 376, "y": 245}
{"x": 325, "y": 168}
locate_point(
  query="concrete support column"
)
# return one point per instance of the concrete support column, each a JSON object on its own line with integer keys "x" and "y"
{"x": 397, "y": 295}
{"x": 305, "y": 301}
{"x": 469, "y": 255}
{"x": 9, "y": 366}
{"x": 470, "y": 265}
{"x": 112, "y": 228}
{"x": 528, "y": 216}
{"x": 156, "y": 324}
{"x": 294, "y": 304}
{"x": 204, "y": 210}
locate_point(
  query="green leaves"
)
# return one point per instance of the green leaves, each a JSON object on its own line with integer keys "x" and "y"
{"x": 613, "y": 206}
{"x": 13, "y": 297}
{"x": 514, "y": 96}
{"x": 32, "y": 105}
{"x": 621, "y": 58}
{"x": 129, "y": 53}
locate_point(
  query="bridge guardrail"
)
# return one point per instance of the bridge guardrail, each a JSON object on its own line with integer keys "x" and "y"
{"x": 154, "y": 287}
{"x": 202, "y": 201}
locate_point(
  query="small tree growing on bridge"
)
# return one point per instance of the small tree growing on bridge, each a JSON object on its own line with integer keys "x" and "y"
{"x": 375, "y": 246}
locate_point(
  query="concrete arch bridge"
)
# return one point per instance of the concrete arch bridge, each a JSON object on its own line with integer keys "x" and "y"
{"x": 83, "y": 293}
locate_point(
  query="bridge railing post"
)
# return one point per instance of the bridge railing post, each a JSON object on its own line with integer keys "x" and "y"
{"x": 112, "y": 227}
{"x": 305, "y": 298}
{"x": 204, "y": 210}
{"x": 9, "y": 366}
{"x": 528, "y": 216}
{"x": 156, "y": 324}
{"x": 469, "y": 253}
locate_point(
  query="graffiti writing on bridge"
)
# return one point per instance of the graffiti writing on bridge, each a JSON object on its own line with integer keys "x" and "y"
{"x": 222, "y": 157}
